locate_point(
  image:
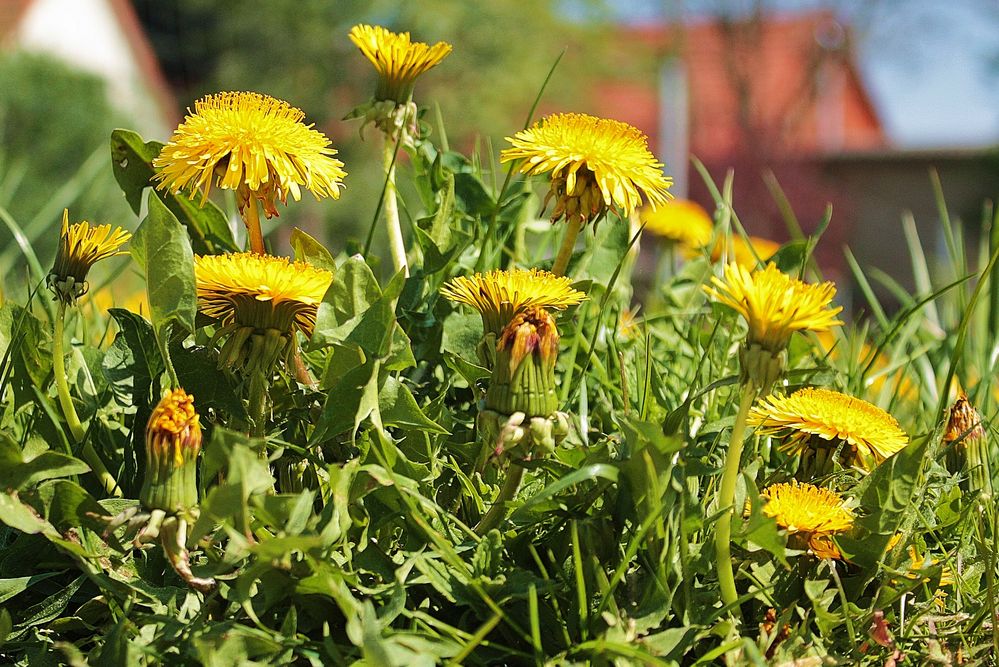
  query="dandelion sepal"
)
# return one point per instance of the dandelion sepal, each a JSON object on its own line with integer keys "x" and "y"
{"x": 760, "y": 366}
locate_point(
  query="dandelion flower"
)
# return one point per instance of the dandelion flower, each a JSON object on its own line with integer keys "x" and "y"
{"x": 775, "y": 305}
{"x": 681, "y": 221}
{"x": 260, "y": 301}
{"x": 265, "y": 292}
{"x": 251, "y": 143}
{"x": 81, "y": 245}
{"x": 398, "y": 60}
{"x": 500, "y": 295}
{"x": 810, "y": 515}
{"x": 811, "y": 417}
{"x": 173, "y": 441}
{"x": 595, "y": 163}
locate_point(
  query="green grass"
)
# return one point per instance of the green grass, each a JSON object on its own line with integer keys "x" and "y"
{"x": 606, "y": 554}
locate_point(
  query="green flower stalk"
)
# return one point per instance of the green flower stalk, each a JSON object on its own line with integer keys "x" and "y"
{"x": 399, "y": 61}
{"x": 173, "y": 442}
{"x": 81, "y": 245}
{"x": 774, "y": 306}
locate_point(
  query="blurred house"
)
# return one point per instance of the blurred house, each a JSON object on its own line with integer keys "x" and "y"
{"x": 782, "y": 94}
{"x": 102, "y": 37}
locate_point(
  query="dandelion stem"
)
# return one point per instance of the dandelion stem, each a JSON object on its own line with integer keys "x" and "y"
{"x": 251, "y": 217}
{"x": 497, "y": 512}
{"x": 396, "y": 245}
{"x": 565, "y": 250}
{"x": 726, "y": 500}
{"x": 258, "y": 405}
{"x": 76, "y": 429}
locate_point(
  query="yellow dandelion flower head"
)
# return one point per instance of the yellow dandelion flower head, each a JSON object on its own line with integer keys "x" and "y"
{"x": 810, "y": 514}
{"x": 398, "y": 60}
{"x": 251, "y": 143}
{"x": 262, "y": 292}
{"x": 500, "y": 295}
{"x": 680, "y": 220}
{"x": 81, "y": 245}
{"x": 174, "y": 427}
{"x": 594, "y": 163}
{"x": 775, "y": 305}
{"x": 872, "y": 434}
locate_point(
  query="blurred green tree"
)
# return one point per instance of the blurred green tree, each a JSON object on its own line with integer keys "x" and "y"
{"x": 54, "y": 127}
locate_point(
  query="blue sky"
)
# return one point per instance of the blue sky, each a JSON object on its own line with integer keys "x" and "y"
{"x": 932, "y": 67}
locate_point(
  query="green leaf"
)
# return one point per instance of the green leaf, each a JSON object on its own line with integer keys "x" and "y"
{"x": 245, "y": 472}
{"x": 162, "y": 248}
{"x": 50, "y": 608}
{"x": 18, "y": 472}
{"x": 131, "y": 162}
{"x": 212, "y": 389}
{"x": 16, "y": 585}
{"x": 885, "y": 497}
{"x": 471, "y": 195}
{"x": 398, "y": 408}
{"x": 68, "y": 505}
{"x": 133, "y": 361}
{"x": 352, "y": 400}
{"x": 589, "y": 473}
{"x": 308, "y": 249}
{"x": 353, "y": 292}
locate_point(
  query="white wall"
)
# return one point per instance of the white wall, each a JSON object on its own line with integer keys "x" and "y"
{"x": 86, "y": 34}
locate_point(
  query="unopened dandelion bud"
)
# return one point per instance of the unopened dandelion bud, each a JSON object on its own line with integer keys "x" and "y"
{"x": 523, "y": 378}
{"x": 173, "y": 441}
{"x": 81, "y": 245}
{"x": 967, "y": 446}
